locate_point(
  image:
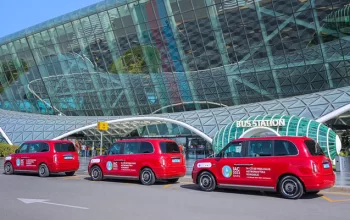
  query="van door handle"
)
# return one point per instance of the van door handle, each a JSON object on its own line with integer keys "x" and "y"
{"x": 243, "y": 165}
{"x": 119, "y": 160}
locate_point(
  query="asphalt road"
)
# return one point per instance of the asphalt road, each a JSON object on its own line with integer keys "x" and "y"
{"x": 130, "y": 200}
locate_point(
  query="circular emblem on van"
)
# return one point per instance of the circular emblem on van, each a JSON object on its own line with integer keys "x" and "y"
{"x": 18, "y": 162}
{"x": 227, "y": 171}
{"x": 109, "y": 165}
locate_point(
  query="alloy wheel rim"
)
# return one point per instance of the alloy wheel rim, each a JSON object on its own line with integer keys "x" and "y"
{"x": 290, "y": 187}
{"x": 42, "y": 170}
{"x": 8, "y": 168}
{"x": 206, "y": 181}
{"x": 95, "y": 173}
{"x": 146, "y": 177}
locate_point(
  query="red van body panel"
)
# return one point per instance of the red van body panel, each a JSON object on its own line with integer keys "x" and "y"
{"x": 56, "y": 161}
{"x": 264, "y": 172}
{"x": 129, "y": 166}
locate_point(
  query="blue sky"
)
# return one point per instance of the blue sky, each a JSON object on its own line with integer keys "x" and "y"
{"x": 19, "y": 14}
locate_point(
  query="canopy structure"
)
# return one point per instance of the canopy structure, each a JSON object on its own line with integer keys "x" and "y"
{"x": 124, "y": 126}
{"x": 280, "y": 125}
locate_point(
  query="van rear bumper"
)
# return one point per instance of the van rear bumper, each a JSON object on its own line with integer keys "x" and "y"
{"x": 58, "y": 167}
{"x": 170, "y": 172}
{"x": 315, "y": 183}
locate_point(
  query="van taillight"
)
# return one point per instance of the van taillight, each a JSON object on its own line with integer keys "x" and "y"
{"x": 314, "y": 167}
{"x": 55, "y": 158}
{"x": 162, "y": 161}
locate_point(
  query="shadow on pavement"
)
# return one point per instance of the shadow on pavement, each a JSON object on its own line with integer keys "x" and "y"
{"x": 136, "y": 182}
{"x": 53, "y": 175}
{"x": 247, "y": 192}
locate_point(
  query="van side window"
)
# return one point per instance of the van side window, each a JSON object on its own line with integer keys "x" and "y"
{"x": 260, "y": 148}
{"x": 44, "y": 147}
{"x": 115, "y": 149}
{"x": 64, "y": 147}
{"x": 284, "y": 148}
{"x": 234, "y": 150}
{"x": 146, "y": 148}
{"x": 169, "y": 147}
{"x": 34, "y": 147}
{"x": 313, "y": 147}
{"x": 38, "y": 147}
{"x": 23, "y": 149}
{"x": 132, "y": 147}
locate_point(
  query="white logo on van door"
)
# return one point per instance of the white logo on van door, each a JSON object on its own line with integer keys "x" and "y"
{"x": 204, "y": 165}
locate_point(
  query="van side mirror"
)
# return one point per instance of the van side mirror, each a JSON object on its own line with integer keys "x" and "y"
{"x": 17, "y": 151}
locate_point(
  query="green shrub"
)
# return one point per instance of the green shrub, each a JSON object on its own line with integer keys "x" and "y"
{"x": 6, "y": 149}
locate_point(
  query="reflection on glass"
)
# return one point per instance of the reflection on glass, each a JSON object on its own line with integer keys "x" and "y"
{"x": 162, "y": 56}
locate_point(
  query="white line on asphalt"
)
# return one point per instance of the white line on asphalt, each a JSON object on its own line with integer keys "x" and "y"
{"x": 45, "y": 201}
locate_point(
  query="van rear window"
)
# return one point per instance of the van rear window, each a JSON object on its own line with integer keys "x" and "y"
{"x": 313, "y": 147}
{"x": 64, "y": 147}
{"x": 169, "y": 147}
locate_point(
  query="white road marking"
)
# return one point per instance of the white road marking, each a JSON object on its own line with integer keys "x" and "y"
{"x": 45, "y": 201}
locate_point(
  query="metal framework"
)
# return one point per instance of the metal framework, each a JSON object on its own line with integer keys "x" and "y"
{"x": 324, "y": 105}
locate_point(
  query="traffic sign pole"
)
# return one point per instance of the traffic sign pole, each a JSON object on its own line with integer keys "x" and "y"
{"x": 102, "y": 126}
{"x": 101, "y": 143}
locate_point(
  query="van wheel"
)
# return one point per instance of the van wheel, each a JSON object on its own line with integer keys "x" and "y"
{"x": 290, "y": 187}
{"x": 173, "y": 180}
{"x": 96, "y": 173}
{"x": 8, "y": 168}
{"x": 147, "y": 177}
{"x": 70, "y": 173}
{"x": 44, "y": 171}
{"x": 206, "y": 181}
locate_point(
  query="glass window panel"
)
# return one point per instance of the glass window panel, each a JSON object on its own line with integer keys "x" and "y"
{"x": 61, "y": 33}
{"x": 69, "y": 31}
{"x": 115, "y": 19}
{"x": 18, "y": 45}
{"x": 260, "y": 148}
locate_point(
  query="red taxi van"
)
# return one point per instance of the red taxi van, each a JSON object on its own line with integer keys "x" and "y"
{"x": 43, "y": 157}
{"x": 146, "y": 160}
{"x": 291, "y": 166}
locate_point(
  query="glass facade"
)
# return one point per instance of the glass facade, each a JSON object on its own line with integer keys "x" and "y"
{"x": 126, "y": 57}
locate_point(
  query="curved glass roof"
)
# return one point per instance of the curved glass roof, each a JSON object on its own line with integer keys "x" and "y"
{"x": 77, "y": 14}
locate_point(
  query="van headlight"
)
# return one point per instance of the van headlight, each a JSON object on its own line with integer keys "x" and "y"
{"x": 8, "y": 158}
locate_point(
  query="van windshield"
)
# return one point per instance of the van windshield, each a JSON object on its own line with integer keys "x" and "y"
{"x": 313, "y": 147}
{"x": 169, "y": 147}
{"x": 64, "y": 147}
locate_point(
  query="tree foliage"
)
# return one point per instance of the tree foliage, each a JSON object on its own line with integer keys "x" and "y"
{"x": 7, "y": 149}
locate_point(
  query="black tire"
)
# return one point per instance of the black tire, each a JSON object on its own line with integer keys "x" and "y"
{"x": 173, "y": 180}
{"x": 206, "y": 181}
{"x": 43, "y": 170}
{"x": 147, "y": 177}
{"x": 96, "y": 173}
{"x": 290, "y": 187}
{"x": 8, "y": 168}
{"x": 70, "y": 173}
{"x": 313, "y": 192}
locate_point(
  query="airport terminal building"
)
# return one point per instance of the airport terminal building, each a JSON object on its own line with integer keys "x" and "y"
{"x": 178, "y": 67}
